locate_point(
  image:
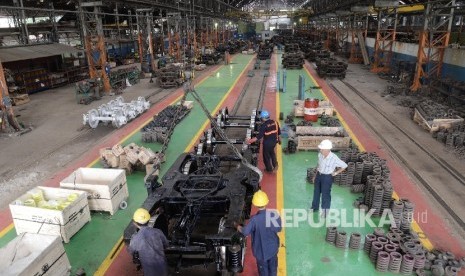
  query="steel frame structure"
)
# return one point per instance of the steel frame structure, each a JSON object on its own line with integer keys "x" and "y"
{"x": 434, "y": 38}
{"x": 358, "y": 23}
{"x": 94, "y": 41}
{"x": 385, "y": 38}
{"x": 144, "y": 21}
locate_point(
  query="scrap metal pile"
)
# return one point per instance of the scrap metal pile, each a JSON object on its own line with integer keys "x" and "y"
{"x": 170, "y": 76}
{"x": 157, "y": 129}
{"x": 203, "y": 194}
{"x": 116, "y": 112}
{"x": 293, "y": 58}
{"x": 330, "y": 67}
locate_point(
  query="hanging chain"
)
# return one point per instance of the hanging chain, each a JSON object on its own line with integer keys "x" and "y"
{"x": 173, "y": 124}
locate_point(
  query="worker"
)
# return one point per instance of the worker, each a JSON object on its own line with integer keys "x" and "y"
{"x": 270, "y": 133}
{"x": 326, "y": 170}
{"x": 148, "y": 245}
{"x": 264, "y": 227}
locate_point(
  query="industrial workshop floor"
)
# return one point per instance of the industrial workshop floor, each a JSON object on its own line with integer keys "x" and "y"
{"x": 98, "y": 248}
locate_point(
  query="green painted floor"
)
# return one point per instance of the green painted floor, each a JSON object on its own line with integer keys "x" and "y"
{"x": 307, "y": 253}
{"x": 91, "y": 245}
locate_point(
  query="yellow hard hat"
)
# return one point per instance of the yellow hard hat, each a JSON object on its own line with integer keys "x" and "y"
{"x": 260, "y": 199}
{"x": 141, "y": 216}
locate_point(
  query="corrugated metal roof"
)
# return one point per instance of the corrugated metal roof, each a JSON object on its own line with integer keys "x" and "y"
{"x": 34, "y": 51}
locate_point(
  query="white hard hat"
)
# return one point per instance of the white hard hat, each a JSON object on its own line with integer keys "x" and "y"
{"x": 325, "y": 144}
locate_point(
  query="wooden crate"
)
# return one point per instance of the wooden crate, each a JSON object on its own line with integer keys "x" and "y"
{"x": 106, "y": 188}
{"x": 63, "y": 223}
{"x": 312, "y": 142}
{"x": 436, "y": 124}
{"x": 318, "y": 131}
{"x": 34, "y": 254}
{"x": 325, "y": 107}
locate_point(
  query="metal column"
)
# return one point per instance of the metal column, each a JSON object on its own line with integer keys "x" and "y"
{"x": 385, "y": 35}
{"x": 434, "y": 38}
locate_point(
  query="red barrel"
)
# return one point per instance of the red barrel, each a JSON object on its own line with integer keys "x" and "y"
{"x": 310, "y": 110}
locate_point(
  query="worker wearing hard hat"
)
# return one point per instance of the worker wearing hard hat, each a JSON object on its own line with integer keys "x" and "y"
{"x": 269, "y": 131}
{"x": 148, "y": 245}
{"x": 263, "y": 227}
{"x": 326, "y": 170}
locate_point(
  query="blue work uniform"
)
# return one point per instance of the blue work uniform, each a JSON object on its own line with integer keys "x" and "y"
{"x": 150, "y": 243}
{"x": 324, "y": 180}
{"x": 269, "y": 131}
{"x": 265, "y": 240}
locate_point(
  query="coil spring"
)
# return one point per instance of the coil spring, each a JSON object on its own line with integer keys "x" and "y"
{"x": 235, "y": 258}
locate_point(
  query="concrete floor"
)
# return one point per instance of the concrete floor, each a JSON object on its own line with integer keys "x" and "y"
{"x": 58, "y": 136}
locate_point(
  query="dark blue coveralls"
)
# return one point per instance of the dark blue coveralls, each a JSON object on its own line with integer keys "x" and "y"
{"x": 150, "y": 243}
{"x": 265, "y": 241}
{"x": 270, "y": 132}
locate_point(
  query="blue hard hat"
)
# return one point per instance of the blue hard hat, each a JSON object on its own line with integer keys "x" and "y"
{"x": 264, "y": 114}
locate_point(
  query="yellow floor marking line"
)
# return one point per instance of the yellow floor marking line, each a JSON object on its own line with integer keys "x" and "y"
{"x": 6, "y": 230}
{"x": 415, "y": 226}
{"x": 111, "y": 256}
{"x": 282, "y": 269}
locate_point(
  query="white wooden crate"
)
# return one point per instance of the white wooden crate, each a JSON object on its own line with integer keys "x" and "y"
{"x": 106, "y": 188}
{"x": 312, "y": 142}
{"x": 34, "y": 254}
{"x": 64, "y": 223}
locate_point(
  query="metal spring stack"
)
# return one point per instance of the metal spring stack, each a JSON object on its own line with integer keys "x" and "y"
{"x": 406, "y": 268}
{"x": 355, "y": 240}
{"x": 341, "y": 239}
{"x": 311, "y": 173}
{"x": 419, "y": 260}
{"x": 369, "y": 239}
{"x": 376, "y": 247}
{"x": 395, "y": 262}
{"x": 397, "y": 209}
{"x": 407, "y": 215}
{"x": 156, "y": 130}
{"x": 382, "y": 263}
{"x": 377, "y": 200}
{"x": 331, "y": 233}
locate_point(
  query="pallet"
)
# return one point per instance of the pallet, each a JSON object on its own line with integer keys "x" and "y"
{"x": 325, "y": 107}
{"x": 436, "y": 124}
{"x": 312, "y": 142}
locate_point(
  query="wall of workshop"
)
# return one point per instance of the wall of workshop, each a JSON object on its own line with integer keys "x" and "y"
{"x": 454, "y": 59}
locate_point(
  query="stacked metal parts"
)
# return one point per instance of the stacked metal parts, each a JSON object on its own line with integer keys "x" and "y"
{"x": 400, "y": 252}
{"x": 293, "y": 58}
{"x": 330, "y": 67}
{"x": 157, "y": 129}
{"x": 170, "y": 76}
{"x": 444, "y": 123}
{"x": 119, "y": 79}
{"x": 116, "y": 112}
{"x": 339, "y": 238}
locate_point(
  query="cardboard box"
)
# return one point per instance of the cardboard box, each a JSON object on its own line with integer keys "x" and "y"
{"x": 64, "y": 223}
{"x": 34, "y": 254}
{"x": 106, "y": 188}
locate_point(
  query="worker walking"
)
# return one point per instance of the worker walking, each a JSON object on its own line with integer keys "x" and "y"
{"x": 263, "y": 227}
{"x": 148, "y": 245}
{"x": 326, "y": 170}
{"x": 269, "y": 131}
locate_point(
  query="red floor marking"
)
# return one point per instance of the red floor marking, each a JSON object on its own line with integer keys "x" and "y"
{"x": 114, "y": 138}
{"x": 122, "y": 264}
{"x": 268, "y": 184}
{"x": 435, "y": 227}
